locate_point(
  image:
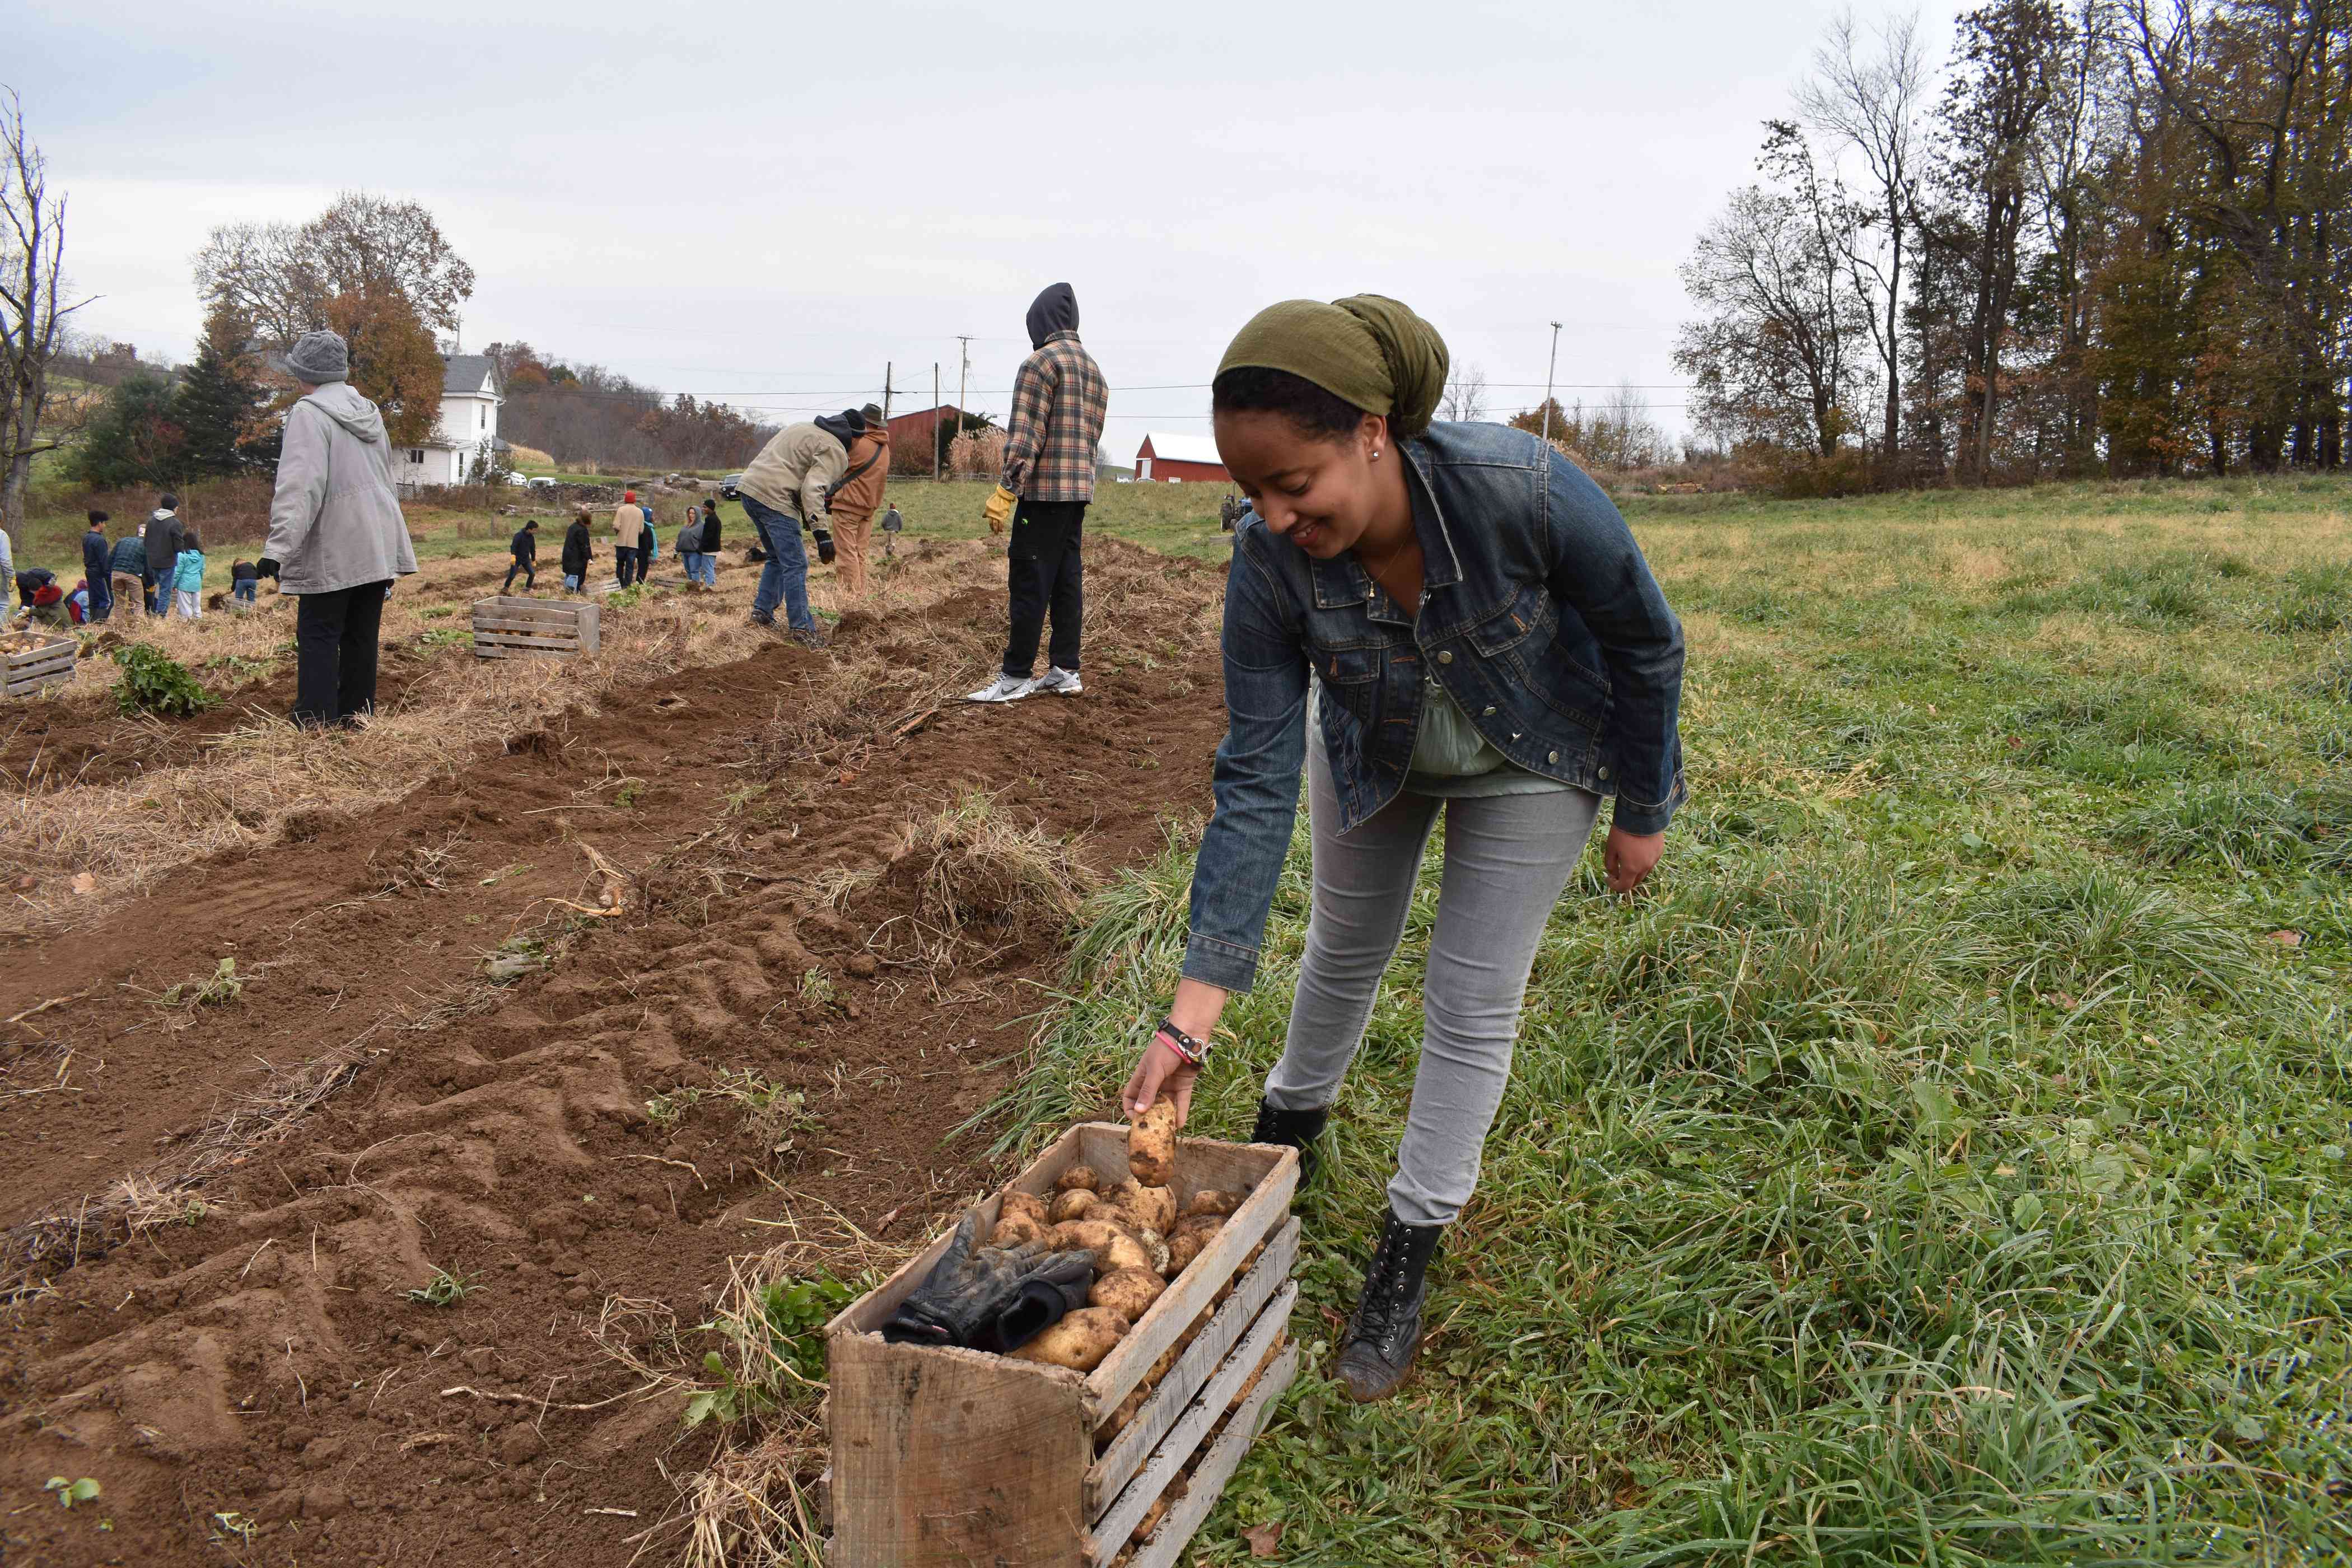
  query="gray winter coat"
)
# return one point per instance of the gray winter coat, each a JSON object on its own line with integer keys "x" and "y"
{"x": 335, "y": 520}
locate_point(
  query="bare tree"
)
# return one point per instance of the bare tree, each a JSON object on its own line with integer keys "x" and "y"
{"x": 280, "y": 277}
{"x": 1868, "y": 97}
{"x": 1465, "y": 395}
{"x": 32, "y": 323}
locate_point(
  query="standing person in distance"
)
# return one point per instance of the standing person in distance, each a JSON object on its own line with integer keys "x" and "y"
{"x": 628, "y": 532}
{"x": 127, "y": 571}
{"x": 688, "y": 541}
{"x": 855, "y": 497}
{"x": 1059, "y": 400}
{"x": 337, "y": 539}
{"x": 578, "y": 551}
{"x": 163, "y": 551}
{"x": 1418, "y": 618}
{"x": 524, "y": 548}
{"x": 96, "y": 570}
{"x": 782, "y": 489}
{"x": 188, "y": 576}
{"x": 706, "y": 540}
{"x": 646, "y": 544}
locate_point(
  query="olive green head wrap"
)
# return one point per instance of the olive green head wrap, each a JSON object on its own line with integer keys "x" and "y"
{"x": 1368, "y": 349}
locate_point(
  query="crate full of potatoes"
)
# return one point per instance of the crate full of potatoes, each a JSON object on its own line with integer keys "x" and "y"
{"x": 962, "y": 1431}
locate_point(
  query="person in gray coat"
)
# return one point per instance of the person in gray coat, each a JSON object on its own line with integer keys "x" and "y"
{"x": 336, "y": 536}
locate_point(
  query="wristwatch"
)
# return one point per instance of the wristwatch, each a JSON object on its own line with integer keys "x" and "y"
{"x": 1183, "y": 1045}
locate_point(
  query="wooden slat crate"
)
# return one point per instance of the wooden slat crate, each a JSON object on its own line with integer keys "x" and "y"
{"x": 510, "y": 627}
{"x": 50, "y": 664}
{"x": 953, "y": 1457}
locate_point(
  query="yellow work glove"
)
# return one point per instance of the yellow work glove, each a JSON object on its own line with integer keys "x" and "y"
{"x": 999, "y": 509}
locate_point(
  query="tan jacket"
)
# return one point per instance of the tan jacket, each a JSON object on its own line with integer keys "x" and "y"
{"x": 792, "y": 471}
{"x": 861, "y": 495}
{"x": 628, "y": 525}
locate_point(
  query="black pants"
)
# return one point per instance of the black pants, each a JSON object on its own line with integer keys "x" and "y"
{"x": 625, "y": 564}
{"x": 530, "y": 570}
{"x": 334, "y": 637}
{"x": 645, "y": 561}
{"x": 1043, "y": 573}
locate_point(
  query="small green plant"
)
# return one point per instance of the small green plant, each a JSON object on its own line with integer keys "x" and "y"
{"x": 221, "y": 987}
{"x": 445, "y": 636}
{"x": 777, "y": 1330}
{"x": 743, "y": 796}
{"x": 436, "y": 612}
{"x": 629, "y": 795}
{"x": 237, "y": 666}
{"x": 70, "y": 1492}
{"x": 446, "y": 1288}
{"x": 154, "y": 682}
{"x": 818, "y": 986}
{"x": 514, "y": 958}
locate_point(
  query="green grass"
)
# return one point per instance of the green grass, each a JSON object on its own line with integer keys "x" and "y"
{"x": 1944, "y": 1161}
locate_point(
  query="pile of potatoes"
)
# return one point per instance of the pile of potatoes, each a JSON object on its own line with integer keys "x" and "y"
{"x": 1140, "y": 1238}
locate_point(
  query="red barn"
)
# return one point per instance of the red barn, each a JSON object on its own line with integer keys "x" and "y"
{"x": 1191, "y": 459}
{"x": 915, "y": 430}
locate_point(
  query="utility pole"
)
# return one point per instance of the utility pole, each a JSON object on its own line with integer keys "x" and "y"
{"x": 963, "y": 375}
{"x": 886, "y": 395}
{"x": 1549, "y": 368}
{"x": 935, "y": 422}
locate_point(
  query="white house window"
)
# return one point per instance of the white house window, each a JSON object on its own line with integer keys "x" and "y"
{"x": 481, "y": 418}
{"x": 416, "y": 455}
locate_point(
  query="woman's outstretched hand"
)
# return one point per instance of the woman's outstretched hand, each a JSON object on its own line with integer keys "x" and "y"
{"x": 1160, "y": 1071}
{"x": 1629, "y": 857}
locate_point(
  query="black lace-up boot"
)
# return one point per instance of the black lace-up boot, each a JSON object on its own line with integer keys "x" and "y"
{"x": 1385, "y": 1334}
{"x": 1293, "y": 1130}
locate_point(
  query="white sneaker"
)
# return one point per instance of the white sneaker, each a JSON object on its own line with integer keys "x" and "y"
{"x": 1003, "y": 688}
{"x": 1060, "y": 682}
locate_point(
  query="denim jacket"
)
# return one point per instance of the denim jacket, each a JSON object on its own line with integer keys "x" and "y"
{"x": 1539, "y": 617}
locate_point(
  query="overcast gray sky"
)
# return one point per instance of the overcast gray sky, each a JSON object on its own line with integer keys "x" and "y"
{"x": 766, "y": 202}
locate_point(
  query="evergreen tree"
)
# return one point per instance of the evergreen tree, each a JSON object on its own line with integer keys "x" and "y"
{"x": 135, "y": 437}
{"x": 218, "y": 410}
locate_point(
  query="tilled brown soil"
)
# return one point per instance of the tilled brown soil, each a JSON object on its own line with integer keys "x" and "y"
{"x": 247, "y": 1379}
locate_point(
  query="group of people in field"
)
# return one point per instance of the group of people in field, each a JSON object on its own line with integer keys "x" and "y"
{"x": 155, "y": 567}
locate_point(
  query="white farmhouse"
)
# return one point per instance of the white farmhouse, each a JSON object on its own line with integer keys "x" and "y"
{"x": 470, "y": 419}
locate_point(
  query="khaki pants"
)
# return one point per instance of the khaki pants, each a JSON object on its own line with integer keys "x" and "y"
{"x": 130, "y": 594}
{"x": 853, "y": 537}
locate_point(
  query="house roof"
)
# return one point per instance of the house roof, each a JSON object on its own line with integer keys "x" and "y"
{"x": 464, "y": 372}
{"x": 1176, "y": 448}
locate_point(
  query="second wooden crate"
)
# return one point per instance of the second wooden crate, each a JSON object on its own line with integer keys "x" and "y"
{"x": 953, "y": 1457}
{"x": 50, "y": 664}
{"x": 506, "y": 627}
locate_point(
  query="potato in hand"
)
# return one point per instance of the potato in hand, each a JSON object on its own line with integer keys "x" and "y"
{"x": 1152, "y": 1145}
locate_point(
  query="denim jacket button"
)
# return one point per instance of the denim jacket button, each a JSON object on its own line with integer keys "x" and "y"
{"x": 1552, "y": 757}
{"x": 1489, "y": 713}
{"x": 1604, "y": 772}
{"x": 1446, "y": 657}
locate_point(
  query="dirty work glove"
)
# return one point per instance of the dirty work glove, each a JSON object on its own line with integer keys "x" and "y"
{"x": 824, "y": 551}
{"x": 991, "y": 1297}
{"x": 266, "y": 567}
{"x": 999, "y": 509}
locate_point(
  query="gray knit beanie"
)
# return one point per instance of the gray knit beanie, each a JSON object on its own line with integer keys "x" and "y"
{"x": 320, "y": 358}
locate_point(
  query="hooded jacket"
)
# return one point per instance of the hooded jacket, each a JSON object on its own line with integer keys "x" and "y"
{"x": 162, "y": 543}
{"x": 858, "y": 496}
{"x": 797, "y": 466}
{"x": 335, "y": 522}
{"x": 1059, "y": 403}
{"x": 94, "y": 555}
{"x": 576, "y": 549}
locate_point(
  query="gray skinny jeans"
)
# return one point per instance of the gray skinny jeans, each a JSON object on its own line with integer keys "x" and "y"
{"x": 1508, "y": 858}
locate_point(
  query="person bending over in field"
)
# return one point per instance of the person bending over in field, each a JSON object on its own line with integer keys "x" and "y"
{"x": 1419, "y": 617}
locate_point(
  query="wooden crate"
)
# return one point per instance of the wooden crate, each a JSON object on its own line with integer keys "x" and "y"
{"x": 50, "y": 664}
{"x": 953, "y": 1457}
{"x": 510, "y": 627}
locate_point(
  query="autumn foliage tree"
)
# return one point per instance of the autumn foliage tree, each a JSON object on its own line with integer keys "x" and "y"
{"x": 396, "y": 363}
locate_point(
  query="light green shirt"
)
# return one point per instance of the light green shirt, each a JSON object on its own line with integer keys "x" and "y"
{"x": 1450, "y": 759}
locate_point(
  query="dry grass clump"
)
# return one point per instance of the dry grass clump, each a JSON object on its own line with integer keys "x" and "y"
{"x": 974, "y": 867}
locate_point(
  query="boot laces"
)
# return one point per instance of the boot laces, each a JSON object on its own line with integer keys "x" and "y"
{"x": 1387, "y": 1295}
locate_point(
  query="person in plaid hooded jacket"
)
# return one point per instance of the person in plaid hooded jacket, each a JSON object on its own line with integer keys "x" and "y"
{"x": 1059, "y": 398}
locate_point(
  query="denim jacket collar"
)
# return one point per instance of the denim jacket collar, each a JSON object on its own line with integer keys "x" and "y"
{"x": 1343, "y": 579}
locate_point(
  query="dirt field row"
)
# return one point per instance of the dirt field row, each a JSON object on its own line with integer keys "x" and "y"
{"x": 654, "y": 974}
